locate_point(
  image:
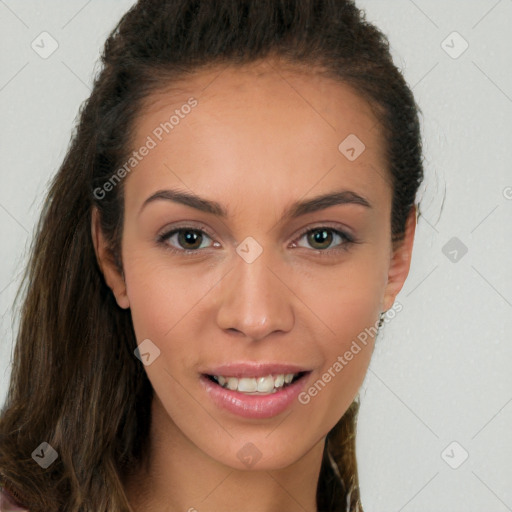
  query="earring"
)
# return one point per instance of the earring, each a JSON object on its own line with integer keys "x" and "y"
{"x": 381, "y": 319}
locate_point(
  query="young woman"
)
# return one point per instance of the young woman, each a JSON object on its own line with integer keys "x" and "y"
{"x": 233, "y": 219}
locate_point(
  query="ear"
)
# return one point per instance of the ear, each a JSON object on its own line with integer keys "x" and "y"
{"x": 106, "y": 262}
{"x": 400, "y": 261}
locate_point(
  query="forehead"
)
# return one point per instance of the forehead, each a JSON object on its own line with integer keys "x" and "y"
{"x": 258, "y": 127}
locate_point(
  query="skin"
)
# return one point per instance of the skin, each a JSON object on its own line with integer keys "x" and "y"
{"x": 258, "y": 140}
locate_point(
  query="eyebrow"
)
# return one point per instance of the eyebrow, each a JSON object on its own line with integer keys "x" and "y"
{"x": 297, "y": 209}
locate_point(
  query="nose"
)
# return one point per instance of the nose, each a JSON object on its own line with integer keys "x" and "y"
{"x": 254, "y": 300}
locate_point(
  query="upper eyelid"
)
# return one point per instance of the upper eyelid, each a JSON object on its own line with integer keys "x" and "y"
{"x": 327, "y": 225}
{"x": 172, "y": 230}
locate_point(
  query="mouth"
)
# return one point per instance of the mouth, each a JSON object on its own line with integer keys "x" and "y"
{"x": 265, "y": 385}
{"x": 254, "y": 391}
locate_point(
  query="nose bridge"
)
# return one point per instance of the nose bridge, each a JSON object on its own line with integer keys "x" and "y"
{"x": 254, "y": 301}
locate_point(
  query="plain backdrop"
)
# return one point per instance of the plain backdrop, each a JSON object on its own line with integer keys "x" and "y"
{"x": 435, "y": 426}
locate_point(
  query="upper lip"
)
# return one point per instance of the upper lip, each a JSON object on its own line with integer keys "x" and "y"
{"x": 254, "y": 369}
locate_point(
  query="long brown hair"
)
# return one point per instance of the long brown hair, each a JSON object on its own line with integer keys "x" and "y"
{"x": 75, "y": 382}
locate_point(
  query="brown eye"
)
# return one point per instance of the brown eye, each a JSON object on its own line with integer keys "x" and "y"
{"x": 322, "y": 238}
{"x": 189, "y": 239}
{"x": 183, "y": 239}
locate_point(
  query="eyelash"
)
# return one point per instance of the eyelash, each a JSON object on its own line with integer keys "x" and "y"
{"x": 348, "y": 240}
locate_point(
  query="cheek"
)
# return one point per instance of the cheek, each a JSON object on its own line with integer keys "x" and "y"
{"x": 348, "y": 301}
{"x": 149, "y": 298}
{"x": 347, "y": 298}
{"x": 352, "y": 316}
{"x": 161, "y": 294}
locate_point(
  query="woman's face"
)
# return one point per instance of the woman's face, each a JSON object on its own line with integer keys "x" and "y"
{"x": 257, "y": 285}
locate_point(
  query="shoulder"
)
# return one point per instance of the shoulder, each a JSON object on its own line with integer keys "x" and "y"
{"x": 8, "y": 503}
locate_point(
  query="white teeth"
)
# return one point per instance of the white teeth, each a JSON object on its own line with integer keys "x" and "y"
{"x": 265, "y": 384}
{"x": 232, "y": 383}
{"x": 247, "y": 385}
{"x": 253, "y": 385}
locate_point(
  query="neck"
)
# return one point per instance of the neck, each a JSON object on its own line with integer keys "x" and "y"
{"x": 178, "y": 477}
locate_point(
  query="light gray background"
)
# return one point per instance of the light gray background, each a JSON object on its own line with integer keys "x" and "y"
{"x": 441, "y": 370}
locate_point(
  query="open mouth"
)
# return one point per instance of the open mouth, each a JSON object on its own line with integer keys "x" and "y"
{"x": 257, "y": 385}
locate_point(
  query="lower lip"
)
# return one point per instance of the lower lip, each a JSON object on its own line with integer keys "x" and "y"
{"x": 254, "y": 406}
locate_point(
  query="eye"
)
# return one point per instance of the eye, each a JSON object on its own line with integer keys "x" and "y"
{"x": 185, "y": 239}
{"x": 320, "y": 238}
{"x": 189, "y": 240}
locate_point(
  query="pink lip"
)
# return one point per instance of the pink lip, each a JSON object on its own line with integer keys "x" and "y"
{"x": 248, "y": 369}
{"x": 254, "y": 406}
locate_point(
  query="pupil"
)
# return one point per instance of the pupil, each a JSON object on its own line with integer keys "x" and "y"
{"x": 319, "y": 234}
{"x": 187, "y": 237}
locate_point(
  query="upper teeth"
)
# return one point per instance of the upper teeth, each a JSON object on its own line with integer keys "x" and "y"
{"x": 255, "y": 384}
